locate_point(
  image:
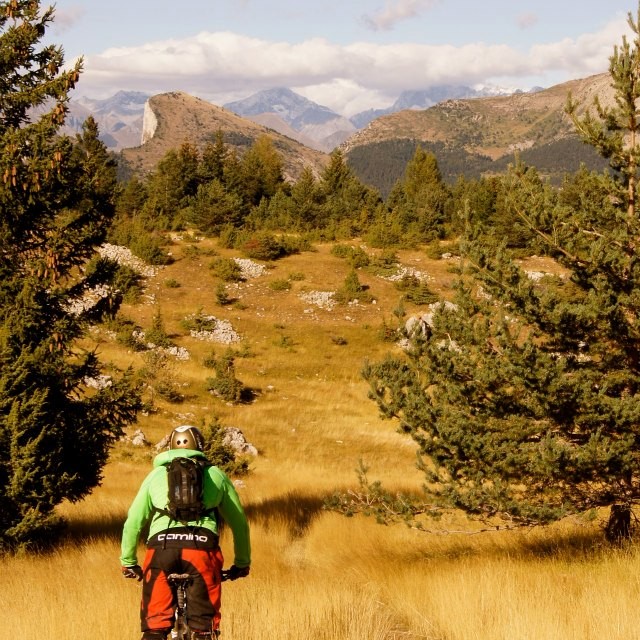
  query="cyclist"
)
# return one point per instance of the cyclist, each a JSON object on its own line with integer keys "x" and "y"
{"x": 175, "y": 547}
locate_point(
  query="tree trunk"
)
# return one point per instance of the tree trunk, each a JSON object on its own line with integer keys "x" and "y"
{"x": 618, "y": 528}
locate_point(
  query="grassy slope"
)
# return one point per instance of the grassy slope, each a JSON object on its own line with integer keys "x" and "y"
{"x": 316, "y": 574}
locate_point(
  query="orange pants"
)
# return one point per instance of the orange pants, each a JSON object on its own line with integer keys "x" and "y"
{"x": 203, "y": 593}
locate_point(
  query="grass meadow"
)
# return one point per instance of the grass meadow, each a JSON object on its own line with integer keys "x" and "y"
{"x": 316, "y": 574}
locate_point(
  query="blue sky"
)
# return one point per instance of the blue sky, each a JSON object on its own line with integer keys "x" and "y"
{"x": 347, "y": 55}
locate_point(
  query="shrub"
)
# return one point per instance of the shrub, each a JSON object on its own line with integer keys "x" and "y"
{"x": 280, "y": 285}
{"x": 227, "y": 269}
{"x": 199, "y": 321}
{"x": 209, "y": 361}
{"x": 356, "y": 256}
{"x": 387, "y": 333}
{"x": 225, "y": 384}
{"x": 158, "y": 375}
{"x": 229, "y": 236}
{"x": 415, "y": 290}
{"x": 340, "y": 250}
{"x": 384, "y": 264}
{"x": 157, "y": 334}
{"x": 191, "y": 252}
{"x": 222, "y": 296}
{"x": 268, "y": 247}
{"x": 263, "y": 246}
{"x": 220, "y": 454}
{"x": 147, "y": 244}
{"x": 352, "y": 290}
{"x": 121, "y": 277}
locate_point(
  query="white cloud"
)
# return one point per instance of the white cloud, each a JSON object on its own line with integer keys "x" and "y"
{"x": 66, "y": 18}
{"x": 527, "y": 20}
{"x": 396, "y": 10}
{"x": 225, "y": 66}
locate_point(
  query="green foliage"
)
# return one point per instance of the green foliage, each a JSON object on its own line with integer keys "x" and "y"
{"x": 420, "y": 200}
{"x": 222, "y": 295}
{"x": 268, "y": 247}
{"x": 382, "y": 164}
{"x": 225, "y": 385}
{"x": 127, "y": 332}
{"x": 387, "y": 333}
{"x": 524, "y": 400}
{"x": 352, "y": 290}
{"x": 173, "y": 185}
{"x": 385, "y": 263}
{"x": 372, "y": 499}
{"x": 227, "y": 269}
{"x": 57, "y": 197}
{"x": 140, "y": 236}
{"x": 157, "y": 334}
{"x": 122, "y": 278}
{"x": 159, "y": 376}
{"x": 356, "y": 256}
{"x": 215, "y": 207}
{"x": 415, "y": 290}
{"x": 221, "y": 454}
{"x": 281, "y": 284}
{"x": 199, "y": 321}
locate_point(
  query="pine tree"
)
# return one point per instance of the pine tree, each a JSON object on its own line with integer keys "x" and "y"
{"x": 213, "y": 159}
{"x": 525, "y": 398}
{"x": 420, "y": 199}
{"x": 343, "y": 196}
{"x": 55, "y": 202}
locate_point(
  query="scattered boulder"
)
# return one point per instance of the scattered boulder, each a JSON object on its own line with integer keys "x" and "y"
{"x": 235, "y": 439}
{"x": 250, "y": 269}
{"x": 423, "y": 324}
{"x": 124, "y": 256}
{"x": 163, "y": 444}
{"x": 322, "y": 299}
{"x": 138, "y": 439}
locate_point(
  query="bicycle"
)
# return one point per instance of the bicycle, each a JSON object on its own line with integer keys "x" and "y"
{"x": 179, "y": 583}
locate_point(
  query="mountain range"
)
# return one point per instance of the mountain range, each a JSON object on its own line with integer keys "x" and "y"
{"x": 481, "y": 136}
{"x": 170, "y": 119}
{"x": 120, "y": 117}
{"x": 470, "y": 136}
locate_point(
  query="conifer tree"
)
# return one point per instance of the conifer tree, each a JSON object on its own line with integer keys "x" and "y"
{"x": 419, "y": 200}
{"x": 55, "y": 202}
{"x": 213, "y": 159}
{"x": 525, "y": 397}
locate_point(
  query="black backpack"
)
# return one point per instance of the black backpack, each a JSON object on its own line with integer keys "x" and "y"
{"x": 185, "y": 477}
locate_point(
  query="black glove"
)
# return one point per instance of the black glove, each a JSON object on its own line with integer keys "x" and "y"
{"x": 132, "y": 572}
{"x": 233, "y": 573}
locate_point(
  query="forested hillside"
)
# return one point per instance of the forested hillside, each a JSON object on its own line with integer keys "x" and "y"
{"x": 382, "y": 164}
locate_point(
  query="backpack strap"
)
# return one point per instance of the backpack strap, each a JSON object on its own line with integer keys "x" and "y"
{"x": 205, "y": 464}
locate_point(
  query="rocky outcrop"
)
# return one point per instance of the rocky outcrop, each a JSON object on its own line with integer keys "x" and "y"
{"x": 149, "y": 123}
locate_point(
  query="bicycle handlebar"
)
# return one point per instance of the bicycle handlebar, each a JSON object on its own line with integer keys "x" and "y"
{"x": 177, "y": 578}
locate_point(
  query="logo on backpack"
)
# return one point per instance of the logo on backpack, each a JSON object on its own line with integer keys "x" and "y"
{"x": 186, "y": 485}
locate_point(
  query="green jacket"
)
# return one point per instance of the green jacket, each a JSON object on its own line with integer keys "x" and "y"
{"x": 218, "y": 492}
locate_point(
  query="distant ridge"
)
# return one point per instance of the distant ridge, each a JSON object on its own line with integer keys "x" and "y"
{"x": 178, "y": 117}
{"x": 480, "y": 135}
{"x": 120, "y": 116}
{"x": 317, "y": 125}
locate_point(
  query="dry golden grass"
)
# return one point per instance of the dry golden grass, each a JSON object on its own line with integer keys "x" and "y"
{"x": 318, "y": 575}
